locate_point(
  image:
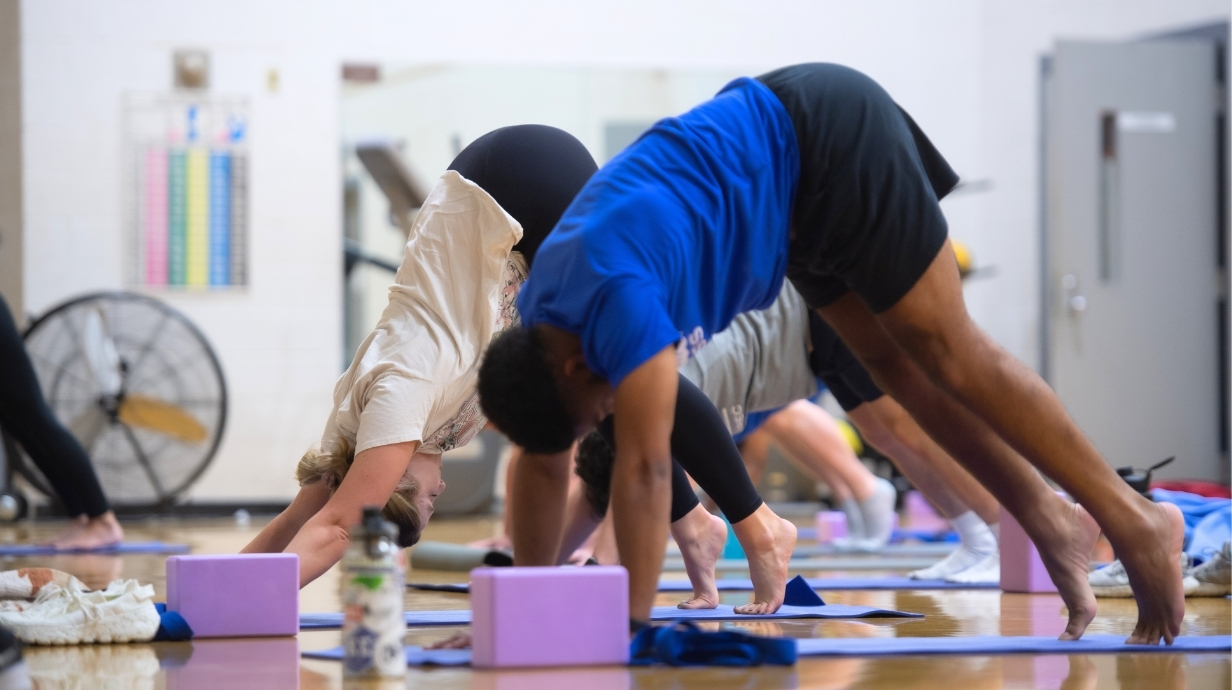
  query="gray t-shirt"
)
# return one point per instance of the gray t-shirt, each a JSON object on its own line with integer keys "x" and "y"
{"x": 759, "y": 362}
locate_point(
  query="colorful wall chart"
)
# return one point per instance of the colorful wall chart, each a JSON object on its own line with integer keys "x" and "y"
{"x": 189, "y": 191}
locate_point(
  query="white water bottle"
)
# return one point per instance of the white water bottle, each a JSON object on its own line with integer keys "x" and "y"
{"x": 373, "y": 582}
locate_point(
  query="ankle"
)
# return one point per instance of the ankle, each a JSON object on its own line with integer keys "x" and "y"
{"x": 757, "y": 531}
{"x": 1141, "y": 518}
{"x": 691, "y": 528}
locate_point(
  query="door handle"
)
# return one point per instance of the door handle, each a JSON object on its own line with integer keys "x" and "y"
{"x": 1075, "y": 303}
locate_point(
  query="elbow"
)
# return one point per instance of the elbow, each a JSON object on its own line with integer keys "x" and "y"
{"x": 651, "y": 470}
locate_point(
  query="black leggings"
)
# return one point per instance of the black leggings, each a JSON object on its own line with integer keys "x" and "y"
{"x": 702, "y": 447}
{"x": 532, "y": 171}
{"x": 25, "y": 416}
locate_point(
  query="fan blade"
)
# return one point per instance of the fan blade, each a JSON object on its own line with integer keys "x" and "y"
{"x": 145, "y": 412}
{"x": 88, "y": 425}
{"x": 101, "y": 354}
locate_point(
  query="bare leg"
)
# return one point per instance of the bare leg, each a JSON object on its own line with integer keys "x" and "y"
{"x": 755, "y": 451}
{"x": 931, "y": 324}
{"x": 954, "y": 492}
{"x": 889, "y": 429}
{"x": 811, "y": 438}
{"x": 1065, "y": 540}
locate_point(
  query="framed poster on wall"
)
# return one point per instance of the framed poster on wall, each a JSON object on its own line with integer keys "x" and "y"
{"x": 186, "y": 176}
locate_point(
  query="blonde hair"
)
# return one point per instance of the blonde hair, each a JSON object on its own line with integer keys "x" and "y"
{"x": 319, "y": 465}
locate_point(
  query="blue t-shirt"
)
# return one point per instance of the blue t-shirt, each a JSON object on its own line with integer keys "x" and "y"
{"x": 674, "y": 237}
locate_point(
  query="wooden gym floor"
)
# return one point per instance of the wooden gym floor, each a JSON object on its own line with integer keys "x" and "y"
{"x": 274, "y": 664}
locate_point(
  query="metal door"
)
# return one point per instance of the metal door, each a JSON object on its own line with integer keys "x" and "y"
{"x": 1132, "y": 246}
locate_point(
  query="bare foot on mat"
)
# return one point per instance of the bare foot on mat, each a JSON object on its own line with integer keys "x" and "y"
{"x": 90, "y": 533}
{"x": 768, "y": 541}
{"x": 1151, "y": 563}
{"x": 701, "y": 543}
{"x": 1065, "y": 549}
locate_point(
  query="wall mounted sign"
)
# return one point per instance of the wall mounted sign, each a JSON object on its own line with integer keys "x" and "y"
{"x": 187, "y": 190}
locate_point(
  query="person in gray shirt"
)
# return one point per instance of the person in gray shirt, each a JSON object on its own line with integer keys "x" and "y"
{"x": 767, "y": 360}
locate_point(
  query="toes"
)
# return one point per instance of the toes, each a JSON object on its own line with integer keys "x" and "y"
{"x": 1144, "y": 635}
{"x": 695, "y": 603}
{"x": 1073, "y": 631}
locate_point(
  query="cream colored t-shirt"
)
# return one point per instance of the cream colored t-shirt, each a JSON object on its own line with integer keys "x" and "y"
{"x": 414, "y": 378}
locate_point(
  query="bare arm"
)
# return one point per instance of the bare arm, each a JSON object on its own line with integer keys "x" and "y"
{"x": 370, "y": 482}
{"x": 282, "y": 529}
{"x": 537, "y": 506}
{"x": 580, "y": 523}
{"x": 642, "y": 474}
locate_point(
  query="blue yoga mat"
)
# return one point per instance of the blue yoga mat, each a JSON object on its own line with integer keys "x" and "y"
{"x": 832, "y": 584}
{"x": 990, "y": 644}
{"x": 824, "y": 584}
{"x": 898, "y": 646}
{"x": 415, "y": 656}
{"x": 156, "y": 547}
{"x": 325, "y": 621}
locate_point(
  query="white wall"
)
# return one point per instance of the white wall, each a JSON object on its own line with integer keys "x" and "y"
{"x": 963, "y": 68}
{"x": 278, "y": 340}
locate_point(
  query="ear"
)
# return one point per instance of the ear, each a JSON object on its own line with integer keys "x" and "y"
{"x": 575, "y": 367}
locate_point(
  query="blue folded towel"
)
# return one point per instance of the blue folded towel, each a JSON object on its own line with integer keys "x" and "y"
{"x": 171, "y": 626}
{"x": 683, "y": 644}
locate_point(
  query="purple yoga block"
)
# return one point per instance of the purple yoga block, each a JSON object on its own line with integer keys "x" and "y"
{"x": 549, "y": 616}
{"x": 831, "y": 525}
{"x": 1021, "y": 568}
{"x": 245, "y": 595}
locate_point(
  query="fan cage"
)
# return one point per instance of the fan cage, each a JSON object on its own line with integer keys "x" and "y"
{"x": 166, "y": 357}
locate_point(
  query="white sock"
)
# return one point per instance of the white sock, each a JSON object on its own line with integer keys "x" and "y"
{"x": 878, "y": 512}
{"x": 855, "y": 521}
{"x": 977, "y": 544}
{"x": 974, "y": 534}
{"x": 986, "y": 571}
{"x": 995, "y": 528}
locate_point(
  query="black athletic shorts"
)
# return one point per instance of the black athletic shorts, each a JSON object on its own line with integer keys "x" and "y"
{"x": 866, "y": 216}
{"x": 838, "y": 368}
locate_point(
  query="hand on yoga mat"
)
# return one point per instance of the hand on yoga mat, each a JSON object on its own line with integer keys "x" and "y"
{"x": 459, "y": 640}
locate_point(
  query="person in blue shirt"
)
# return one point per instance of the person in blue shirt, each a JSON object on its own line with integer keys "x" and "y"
{"x": 812, "y": 173}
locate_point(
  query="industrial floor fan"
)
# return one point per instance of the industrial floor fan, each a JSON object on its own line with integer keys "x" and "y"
{"x": 138, "y": 385}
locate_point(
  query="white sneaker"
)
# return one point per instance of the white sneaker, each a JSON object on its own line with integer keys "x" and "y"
{"x": 1112, "y": 580}
{"x": 1214, "y": 577}
{"x": 960, "y": 559}
{"x": 985, "y": 572}
{"x": 124, "y": 612}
